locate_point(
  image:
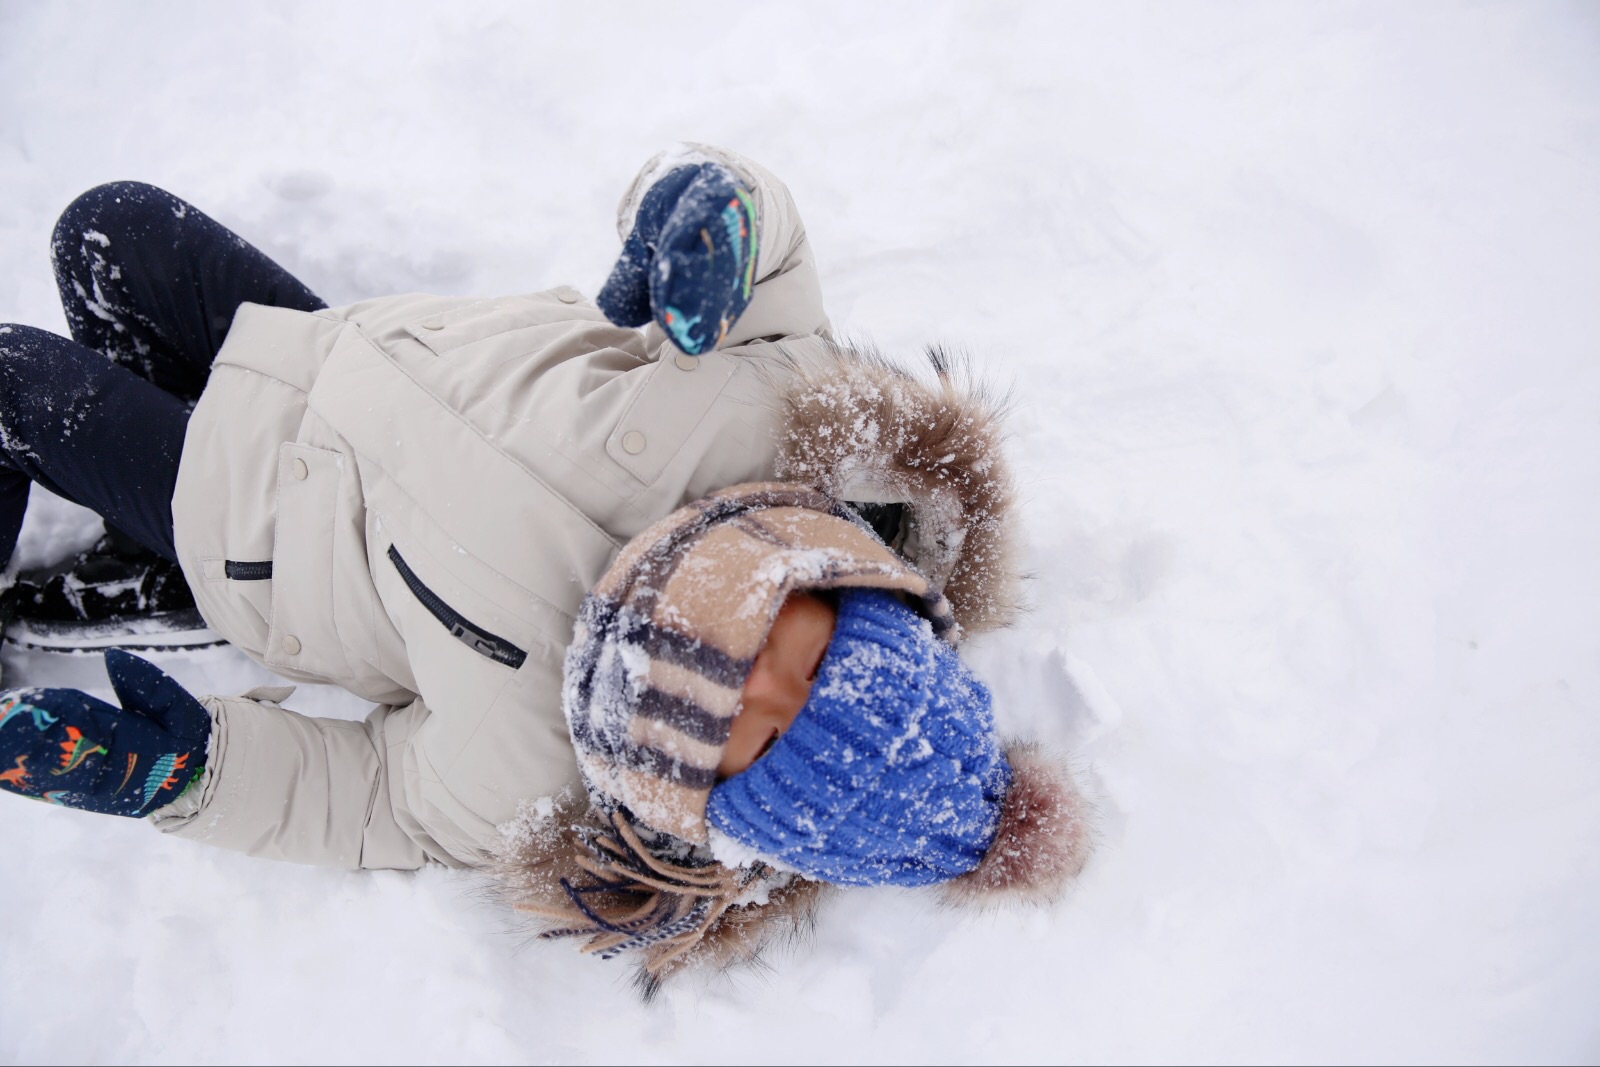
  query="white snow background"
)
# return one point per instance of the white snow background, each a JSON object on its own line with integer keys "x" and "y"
{"x": 1302, "y": 307}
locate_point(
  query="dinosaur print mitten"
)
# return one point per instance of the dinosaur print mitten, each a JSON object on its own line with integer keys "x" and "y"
{"x": 72, "y": 749}
{"x": 690, "y": 261}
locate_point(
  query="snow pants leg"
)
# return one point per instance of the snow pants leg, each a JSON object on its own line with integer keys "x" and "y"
{"x": 149, "y": 285}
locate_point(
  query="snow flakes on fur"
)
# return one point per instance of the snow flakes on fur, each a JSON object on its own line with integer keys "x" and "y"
{"x": 864, "y": 430}
{"x": 1043, "y": 841}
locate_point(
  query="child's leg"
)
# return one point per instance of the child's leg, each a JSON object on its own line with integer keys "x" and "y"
{"x": 152, "y": 282}
{"x": 87, "y": 430}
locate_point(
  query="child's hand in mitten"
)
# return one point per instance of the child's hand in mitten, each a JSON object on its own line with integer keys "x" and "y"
{"x": 690, "y": 261}
{"x": 69, "y": 748}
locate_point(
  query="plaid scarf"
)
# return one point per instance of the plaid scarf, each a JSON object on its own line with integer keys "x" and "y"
{"x": 665, "y": 640}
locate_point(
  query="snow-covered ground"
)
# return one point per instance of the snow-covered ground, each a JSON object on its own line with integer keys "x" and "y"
{"x": 1302, "y": 305}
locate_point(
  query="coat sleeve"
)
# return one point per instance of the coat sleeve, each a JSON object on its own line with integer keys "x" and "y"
{"x": 286, "y": 786}
{"x": 787, "y": 301}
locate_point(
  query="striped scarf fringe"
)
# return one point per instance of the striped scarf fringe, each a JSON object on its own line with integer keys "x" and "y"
{"x": 634, "y": 901}
{"x": 629, "y": 892}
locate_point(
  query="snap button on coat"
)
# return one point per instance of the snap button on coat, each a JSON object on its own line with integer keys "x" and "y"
{"x": 301, "y": 470}
{"x": 686, "y": 362}
{"x": 633, "y": 442}
{"x": 567, "y": 296}
{"x": 291, "y": 644}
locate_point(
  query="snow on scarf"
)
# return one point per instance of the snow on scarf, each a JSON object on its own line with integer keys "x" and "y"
{"x": 665, "y": 640}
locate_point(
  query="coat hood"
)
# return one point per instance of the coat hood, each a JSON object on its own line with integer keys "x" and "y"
{"x": 918, "y": 456}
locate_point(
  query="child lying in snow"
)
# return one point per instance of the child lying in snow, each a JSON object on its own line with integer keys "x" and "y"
{"x": 473, "y": 512}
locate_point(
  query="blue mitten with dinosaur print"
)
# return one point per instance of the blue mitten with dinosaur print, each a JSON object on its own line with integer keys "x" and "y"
{"x": 690, "y": 261}
{"x": 72, "y": 749}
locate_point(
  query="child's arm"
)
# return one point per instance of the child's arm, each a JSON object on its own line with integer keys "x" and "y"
{"x": 285, "y": 786}
{"x": 406, "y": 787}
{"x": 235, "y": 772}
{"x": 687, "y": 262}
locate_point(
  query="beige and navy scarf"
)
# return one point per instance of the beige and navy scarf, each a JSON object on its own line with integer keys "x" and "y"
{"x": 665, "y": 640}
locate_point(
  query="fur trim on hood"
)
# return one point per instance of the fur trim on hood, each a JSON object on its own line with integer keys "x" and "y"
{"x": 1043, "y": 841}
{"x": 864, "y": 430}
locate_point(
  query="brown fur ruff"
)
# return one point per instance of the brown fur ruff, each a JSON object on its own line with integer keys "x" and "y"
{"x": 1043, "y": 841}
{"x": 862, "y": 429}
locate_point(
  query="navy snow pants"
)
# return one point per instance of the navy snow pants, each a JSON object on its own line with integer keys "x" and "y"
{"x": 150, "y": 285}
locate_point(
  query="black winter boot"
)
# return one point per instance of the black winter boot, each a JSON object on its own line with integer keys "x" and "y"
{"x": 117, "y": 578}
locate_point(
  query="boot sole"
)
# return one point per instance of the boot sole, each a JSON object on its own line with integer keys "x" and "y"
{"x": 170, "y": 630}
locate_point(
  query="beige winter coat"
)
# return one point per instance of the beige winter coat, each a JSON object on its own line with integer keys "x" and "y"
{"x": 432, "y": 484}
{"x": 409, "y": 497}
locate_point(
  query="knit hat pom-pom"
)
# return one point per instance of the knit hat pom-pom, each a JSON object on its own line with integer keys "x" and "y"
{"x": 1043, "y": 841}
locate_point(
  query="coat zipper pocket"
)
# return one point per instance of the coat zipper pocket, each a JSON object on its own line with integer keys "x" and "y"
{"x": 480, "y": 641}
{"x": 247, "y": 570}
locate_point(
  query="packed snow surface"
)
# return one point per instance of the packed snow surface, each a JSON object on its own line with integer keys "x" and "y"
{"x": 1301, "y": 304}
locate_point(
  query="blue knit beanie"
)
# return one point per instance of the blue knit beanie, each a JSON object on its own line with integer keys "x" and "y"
{"x": 890, "y": 775}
